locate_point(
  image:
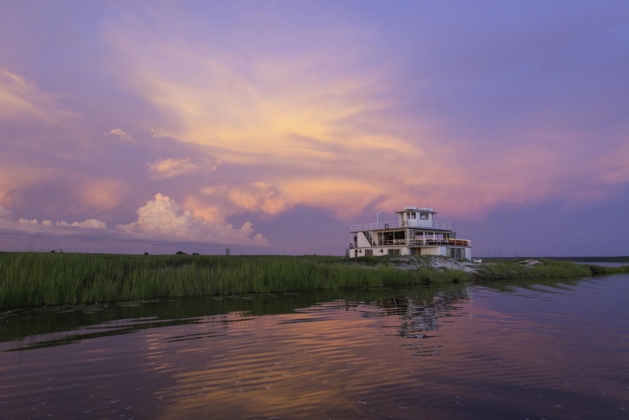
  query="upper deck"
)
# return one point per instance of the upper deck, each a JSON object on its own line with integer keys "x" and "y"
{"x": 392, "y": 224}
{"x": 408, "y": 217}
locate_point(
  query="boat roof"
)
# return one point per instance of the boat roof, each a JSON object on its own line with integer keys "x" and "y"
{"x": 414, "y": 208}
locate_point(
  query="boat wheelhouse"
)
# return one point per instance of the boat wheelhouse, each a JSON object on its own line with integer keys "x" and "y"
{"x": 415, "y": 232}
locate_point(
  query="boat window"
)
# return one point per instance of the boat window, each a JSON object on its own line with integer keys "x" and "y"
{"x": 412, "y": 215}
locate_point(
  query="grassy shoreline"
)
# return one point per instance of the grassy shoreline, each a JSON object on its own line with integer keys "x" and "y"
{"x": 38, "y": 279}
{"x": 523, "y": 269}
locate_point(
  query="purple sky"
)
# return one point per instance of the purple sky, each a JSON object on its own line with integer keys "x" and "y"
{"x": 270, "y": 127}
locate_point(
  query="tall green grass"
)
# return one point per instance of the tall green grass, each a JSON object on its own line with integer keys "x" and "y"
{"x": 546, "y": 269}
{"x": 36, "y": 279}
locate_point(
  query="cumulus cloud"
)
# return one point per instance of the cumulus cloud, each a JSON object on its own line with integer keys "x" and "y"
{"x": 163, "y": 218}
{"x": 168, "y": 168}
{"x": 89, "y": 223}
{"x": 28, "y": 222}
{"x": 62, "y": 228}
{"x": 120, "y": 134}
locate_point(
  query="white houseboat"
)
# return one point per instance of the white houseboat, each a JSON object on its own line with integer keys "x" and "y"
{"x": 415, "y": 232}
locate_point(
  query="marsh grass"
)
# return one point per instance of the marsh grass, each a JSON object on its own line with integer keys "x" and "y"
{"x": 512, "y": 269}
{"x": 599, "y": 270}
{"x": 37, "y": 279}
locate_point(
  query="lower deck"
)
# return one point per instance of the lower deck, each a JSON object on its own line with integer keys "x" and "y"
{"x": 409, "y": 242}
{"x": 457, "y": 253}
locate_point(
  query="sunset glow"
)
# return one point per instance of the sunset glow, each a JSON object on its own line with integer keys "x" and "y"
{"x": 270, "y": 127}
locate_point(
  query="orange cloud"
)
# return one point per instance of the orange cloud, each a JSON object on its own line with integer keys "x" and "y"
{"x": 168, "y": 168}
{"x": 210, "y": 213}
{"x": 317, "y": 128}
{"x": 16, "y": 178}
{"x": 259, "y": 196}
{"x": 102, "y": 194}
{"x": 172, "y": 167}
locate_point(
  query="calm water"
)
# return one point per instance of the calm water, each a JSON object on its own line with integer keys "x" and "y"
{"x": 558, "y": 350}
{"x": 604, "y": 263}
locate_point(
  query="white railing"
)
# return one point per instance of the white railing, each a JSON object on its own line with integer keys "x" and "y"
{"x": 441, "y": 225}
{"x": 425, "y": 242}
{"x": 396, "y": 224}
{"x": 373, "y": 226}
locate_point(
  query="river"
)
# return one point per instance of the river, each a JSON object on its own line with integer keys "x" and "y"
{"x": 554, "y": 349}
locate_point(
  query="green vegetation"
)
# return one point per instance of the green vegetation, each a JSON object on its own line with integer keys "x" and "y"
{"x": 542, "y": 268}
{"x": 36, "y": 279}
{"x": 514, "y": 270}
{"x": 39, "y": 279}
{"x": 597, "y": 270}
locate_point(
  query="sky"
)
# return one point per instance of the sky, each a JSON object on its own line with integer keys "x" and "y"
{"x": 269, "y": 127}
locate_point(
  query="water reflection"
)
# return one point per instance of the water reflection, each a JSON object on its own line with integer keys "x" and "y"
{"x": 45, "y": 327}
{"x": 419, "y": 315}
{"x": 517, "y": 350}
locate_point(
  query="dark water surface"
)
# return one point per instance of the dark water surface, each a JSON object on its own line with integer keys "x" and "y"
{"x": 558, "y": 350}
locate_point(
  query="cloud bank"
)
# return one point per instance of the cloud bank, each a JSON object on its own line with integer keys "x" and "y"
{"x": 160, "y": 219}
{"x": 163, "y": 218}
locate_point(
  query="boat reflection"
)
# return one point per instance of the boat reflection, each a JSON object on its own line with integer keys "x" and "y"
{"x": 36, "y": 328}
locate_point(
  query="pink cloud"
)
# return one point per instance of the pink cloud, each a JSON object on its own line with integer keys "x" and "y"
{"x": 120, "y": 134}
{"x": 163, "y": 218}
{"x": 168, "y": 168}
{"x": 89, "y": 223}
{"x": 20, "y": 99}
{"x": 331, "y": 117}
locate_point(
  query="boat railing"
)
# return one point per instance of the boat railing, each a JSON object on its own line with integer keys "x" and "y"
{"x": 424, "y": 242}
{"x": 441, "y": 225}
{"x": 392, "y": 224}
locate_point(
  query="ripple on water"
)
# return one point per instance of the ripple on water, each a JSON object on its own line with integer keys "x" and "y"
{"x": 471, "y": 353}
